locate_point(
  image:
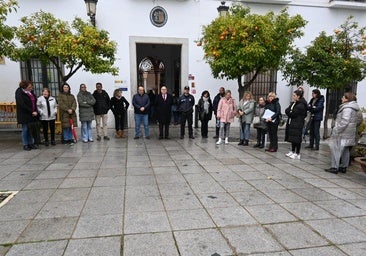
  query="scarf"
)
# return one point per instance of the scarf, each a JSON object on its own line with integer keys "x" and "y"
{"x": 33, "y": 100}
{"x": 48, "y": 106}
{"x": 206, "y": 104}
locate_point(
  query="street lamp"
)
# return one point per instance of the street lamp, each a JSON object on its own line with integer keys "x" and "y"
{"x": 91, "y": 8}
{"x": 222, "y": 9}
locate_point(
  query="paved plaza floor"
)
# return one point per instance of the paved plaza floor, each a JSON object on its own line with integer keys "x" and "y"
{"x": 177, "y": 197}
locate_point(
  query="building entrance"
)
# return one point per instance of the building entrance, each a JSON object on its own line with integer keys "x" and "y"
{"x": 158, "y": 65}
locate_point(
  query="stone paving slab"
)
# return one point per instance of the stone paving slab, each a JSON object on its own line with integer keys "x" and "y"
{"x": 177, "y": 197}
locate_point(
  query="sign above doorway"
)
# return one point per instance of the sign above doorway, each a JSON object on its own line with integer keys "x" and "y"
{"x": 158, "y": 16}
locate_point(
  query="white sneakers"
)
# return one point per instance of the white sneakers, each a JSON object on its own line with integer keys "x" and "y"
{"x": 293, "y": 155}
{"x": 289, "y": 153}
{"x": 220, "y": 141}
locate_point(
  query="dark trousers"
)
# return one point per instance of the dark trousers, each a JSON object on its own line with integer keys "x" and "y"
{"x": 186, "y": 116}
{"x": 295, "y": 147}
{"x": 272, "y": 134}
{"x": 217, "y": 127}
{"x": 204, "y": 127}
{"x": 163, "y": 127}
{"x": 314, "y": 133}
{"x": 261, "y": 136}
{"x": 51, "y": 125}
{"x": 119, "y": 121}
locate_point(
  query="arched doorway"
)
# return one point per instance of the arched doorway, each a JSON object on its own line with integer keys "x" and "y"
{"x": 151, "y": 74}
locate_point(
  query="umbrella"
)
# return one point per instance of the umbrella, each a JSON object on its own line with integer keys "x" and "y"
{"x": 34, "y": 129}
{"x": 73, "y": 130}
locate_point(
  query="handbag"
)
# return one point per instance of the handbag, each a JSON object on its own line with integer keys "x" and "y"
{"x": 256, "y": 120}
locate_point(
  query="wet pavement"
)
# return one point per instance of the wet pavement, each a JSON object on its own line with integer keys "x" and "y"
{"x": 177, "y": 197}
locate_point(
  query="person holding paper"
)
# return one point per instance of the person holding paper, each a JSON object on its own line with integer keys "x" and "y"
{"x": 272, "y": 104}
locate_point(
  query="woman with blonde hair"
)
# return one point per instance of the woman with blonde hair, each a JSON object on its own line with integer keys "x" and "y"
{"x": 226, "y": 111}
{"x": 119, "y": 106}
{"x": 272, "y": 104}
{"x": 246, "y": 114}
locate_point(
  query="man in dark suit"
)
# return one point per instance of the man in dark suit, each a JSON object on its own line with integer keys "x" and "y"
{"x": 163, "y": 107}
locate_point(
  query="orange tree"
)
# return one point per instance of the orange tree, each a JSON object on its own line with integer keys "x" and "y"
{"x": 240, "y": 42}
{"x": 332, "y": 62}
{"x": 77, "y": 45}
{"x": 6, "y": 32}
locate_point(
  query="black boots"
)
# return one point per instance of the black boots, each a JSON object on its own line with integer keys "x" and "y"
{"x": 335, "y": 170}
{"x": 241, "y": 142}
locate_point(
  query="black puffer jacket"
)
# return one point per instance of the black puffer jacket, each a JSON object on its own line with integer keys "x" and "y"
{"x": 295, "y": 122}
{"x": 102, "y": 104}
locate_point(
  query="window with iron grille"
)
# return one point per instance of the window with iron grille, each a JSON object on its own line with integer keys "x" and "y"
{"x": 335, "y": 95}
{"x": 264, "y": 83}
{"x": 42, "y": 75}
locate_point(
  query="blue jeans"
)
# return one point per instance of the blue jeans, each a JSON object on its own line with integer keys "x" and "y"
{"x": 86, "y": 130}
{"x": 66, "y": 132}
{"x": 144, "y": 119}
{"x": 27, "y": 138}
{"x": 245, "y": 131}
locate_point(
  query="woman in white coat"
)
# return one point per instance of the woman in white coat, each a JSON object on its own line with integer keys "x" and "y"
{"x": 344, "y": 133}
{"x": 47, "y": 109}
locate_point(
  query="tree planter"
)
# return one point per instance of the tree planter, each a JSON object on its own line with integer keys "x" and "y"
{"x": 362, "y": 161}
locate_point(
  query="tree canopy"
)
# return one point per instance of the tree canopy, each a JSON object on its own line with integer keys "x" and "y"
{"x": 77, "y": 45}
{"x": 330, "y": 61}
{"x": 240, "y": 42}
{"x": 6, "y": 32}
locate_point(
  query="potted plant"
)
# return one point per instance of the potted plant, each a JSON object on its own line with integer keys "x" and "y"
{"x": 358, "y": 153}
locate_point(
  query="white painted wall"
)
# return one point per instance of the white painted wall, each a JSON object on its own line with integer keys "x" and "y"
{"x": 130, "y": 18}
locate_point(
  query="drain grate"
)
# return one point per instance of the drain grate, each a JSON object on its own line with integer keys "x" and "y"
{"x": 6, "y": 196}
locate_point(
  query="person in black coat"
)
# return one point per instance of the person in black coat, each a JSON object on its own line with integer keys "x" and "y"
{"x": 163, "y": 108}
{"x": 296, "y": 113}
{"x": 119, "y": 106}
{"x": 26, "y": 112}
{"x": 316, "y": 108}
{"x": 101, "y": 108}
{"x": 185, "y": 106}
{"x": 205, "y": 112}
{"x": 272, "y": 103}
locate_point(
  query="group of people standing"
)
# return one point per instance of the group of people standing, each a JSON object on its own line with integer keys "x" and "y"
{"x": 91, "y": 107}
{"x": 264, "y": 115}
{"x": 163, "y": 107}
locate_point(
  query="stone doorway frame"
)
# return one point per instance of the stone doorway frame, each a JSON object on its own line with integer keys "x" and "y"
{"x": 183, "y": 42}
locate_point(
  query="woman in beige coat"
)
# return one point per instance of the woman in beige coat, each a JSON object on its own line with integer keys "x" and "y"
{"x": 226, "y": 111}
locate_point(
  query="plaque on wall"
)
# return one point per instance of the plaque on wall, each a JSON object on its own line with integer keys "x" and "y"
{"x": 158, "y": 16}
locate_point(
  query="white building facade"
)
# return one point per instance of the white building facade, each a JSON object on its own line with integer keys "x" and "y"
{"x": 166, "y": 52}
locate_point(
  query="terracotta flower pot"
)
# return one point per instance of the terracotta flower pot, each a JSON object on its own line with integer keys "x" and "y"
{"x": 362, "y": 161}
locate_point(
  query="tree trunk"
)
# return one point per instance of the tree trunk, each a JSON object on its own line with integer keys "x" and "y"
{"x": 326, "y": 117}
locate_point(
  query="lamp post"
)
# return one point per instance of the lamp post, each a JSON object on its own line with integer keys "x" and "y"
{"x": 91, "y": 8}
{"x": 222, "y": 9}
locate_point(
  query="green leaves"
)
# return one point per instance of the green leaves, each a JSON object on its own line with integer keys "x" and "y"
{"x": 331, "y": 61}
{"x": 241, "y": 42}
{"x": 77, "y": 45}
{"x": 6, "y": 32}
